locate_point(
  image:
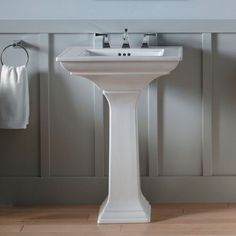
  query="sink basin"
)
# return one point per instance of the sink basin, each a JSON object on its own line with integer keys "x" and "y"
{"x": 126, "y": 52}
{"x": 121, "y": 74}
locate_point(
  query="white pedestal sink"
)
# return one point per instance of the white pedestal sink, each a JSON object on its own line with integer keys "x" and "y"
{"x": 121, "y": 74}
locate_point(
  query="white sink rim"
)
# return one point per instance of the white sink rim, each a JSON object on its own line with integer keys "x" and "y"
{"x": 129, "y": 52}
{"x": 170, "y": 53}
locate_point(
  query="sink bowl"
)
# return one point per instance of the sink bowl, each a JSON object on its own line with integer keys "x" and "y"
{"x": 121, "y": 74}
{"x": 136, "y": 52}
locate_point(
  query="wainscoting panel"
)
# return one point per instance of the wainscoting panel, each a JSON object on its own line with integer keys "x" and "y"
{"x": 20, "y": 149}
{"x": 186, "y": 120}
{"x": 224, "y": 112}
{"x": 180, "y": 111}
{"x": 71, "y": 115}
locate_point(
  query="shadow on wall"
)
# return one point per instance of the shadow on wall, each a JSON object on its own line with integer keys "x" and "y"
{"x": 180, "y": 113}
{"x": 72, "y": 125}
{"x": 224, "y": 111}
{"x": 21, "y": 146}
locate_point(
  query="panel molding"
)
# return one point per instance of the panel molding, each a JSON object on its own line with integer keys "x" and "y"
{"x": 160, "y": 134}
{"x": 117, "y": 26}
{"x": 207, "y": 106}
{"x": 99, "y": 151}
{"x": 44, "y": 105}
{"x": 152, "y": 129}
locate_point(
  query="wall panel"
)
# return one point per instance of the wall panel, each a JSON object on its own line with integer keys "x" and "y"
{"x": 20, "y": 149}
{"x": 224, "y": 113}
{"x": 71, "y": 115}
{"x": 181, "y": 117}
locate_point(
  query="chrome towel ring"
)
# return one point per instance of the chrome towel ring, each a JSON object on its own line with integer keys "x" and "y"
{"x": 18, "y": 44}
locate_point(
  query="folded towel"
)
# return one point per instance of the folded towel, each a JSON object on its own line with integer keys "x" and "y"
{"x": 14, "y": 97}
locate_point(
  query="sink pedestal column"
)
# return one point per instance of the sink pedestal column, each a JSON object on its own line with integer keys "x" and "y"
{"x": 125, "y": 202}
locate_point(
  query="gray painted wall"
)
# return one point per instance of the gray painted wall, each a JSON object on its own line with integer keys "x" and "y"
{"x": 118, "y": 9}
{"x": 186, "y": 124}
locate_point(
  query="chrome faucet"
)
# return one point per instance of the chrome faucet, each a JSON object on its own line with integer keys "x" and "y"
{"x": 105, "y": 41}
{"x": 125, "y": 38}
{"x": 146, "y": 37}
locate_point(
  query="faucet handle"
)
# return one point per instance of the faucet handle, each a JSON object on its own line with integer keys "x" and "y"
{"x": 145, "y": 43}
{"x": 105, "y": 40}
{"x": 125, "y": 34}
{"x": 106, "y": 43}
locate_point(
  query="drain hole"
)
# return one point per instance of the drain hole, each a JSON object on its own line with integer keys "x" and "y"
{"x": 124, "y": 54}
{"x": 119, "y": 54}
{"x": 129, "y": 54}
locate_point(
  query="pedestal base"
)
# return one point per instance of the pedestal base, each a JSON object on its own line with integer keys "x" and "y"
{"x": 111, "y": 215}
{"x": 125, "y": 202}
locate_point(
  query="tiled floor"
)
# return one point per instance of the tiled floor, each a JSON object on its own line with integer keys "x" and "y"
{"x": 167, "y": 219}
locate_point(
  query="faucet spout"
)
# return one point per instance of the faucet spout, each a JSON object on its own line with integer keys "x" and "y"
{"x": 125, "y": 39}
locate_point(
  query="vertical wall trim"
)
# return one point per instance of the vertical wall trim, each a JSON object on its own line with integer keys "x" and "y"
{"x": 44, "y": 106}
{"x": 98, "y": 132}
{"x": 207, "y": 100}
{"x": 160, "y": 132}
{"x": 152, "y": 129}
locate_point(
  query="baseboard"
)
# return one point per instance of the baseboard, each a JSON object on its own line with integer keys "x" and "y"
{"x": 93, "y": 190}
